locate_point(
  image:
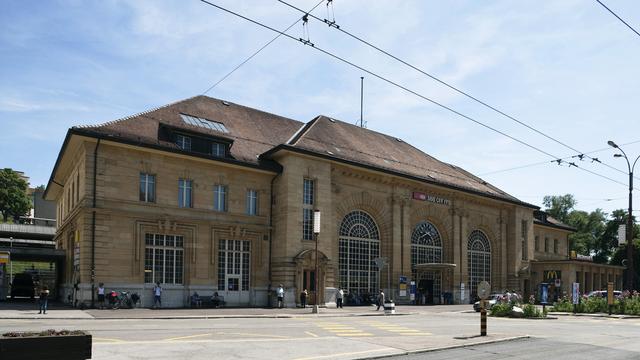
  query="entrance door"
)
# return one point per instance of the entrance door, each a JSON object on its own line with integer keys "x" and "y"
{"x": 425, "y": 290}
{"x": 234, "y": 270}
{"x": 309, "y": 283}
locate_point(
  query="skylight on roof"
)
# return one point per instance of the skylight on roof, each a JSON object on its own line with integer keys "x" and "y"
{"x": 204, "y": 123}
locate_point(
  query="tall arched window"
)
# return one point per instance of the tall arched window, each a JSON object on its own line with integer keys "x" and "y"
{"x": 426, "y": 247}
{"x": 359, "y": 246}
{"x": 478, "y": 260}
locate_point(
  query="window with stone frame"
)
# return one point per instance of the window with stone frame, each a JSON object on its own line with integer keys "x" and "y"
{"x": 147, "y": 187}
{"x": 185, "y": 193}
{"x": 252, "y": 202}
{"x": 163, "y": 258}
{"x": 308, "y": 200}
{"x": 524, "y": 233}
{"x": 220, "y": 198}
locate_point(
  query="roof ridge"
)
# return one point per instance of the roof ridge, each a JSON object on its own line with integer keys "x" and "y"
{"x": 110, "y": 122}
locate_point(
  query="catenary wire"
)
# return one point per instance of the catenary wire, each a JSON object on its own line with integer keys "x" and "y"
{"x": 619, "y": 18}
{"x": 305, "y": 42}
{"x": 257, "y": 52}
{"x": 332, "y": 24}
{"x": 547, "y": 162}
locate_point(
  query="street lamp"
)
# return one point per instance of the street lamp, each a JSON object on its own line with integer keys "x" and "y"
{"x": 630, "y": 265}
{"x": 316, "y": 231}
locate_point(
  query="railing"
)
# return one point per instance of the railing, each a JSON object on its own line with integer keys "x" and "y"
{"x": 28, "y": 229}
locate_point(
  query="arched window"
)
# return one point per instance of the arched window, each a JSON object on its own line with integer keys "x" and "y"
{"x": 426, "y": 247}
{"x": 359, "y": 242}
{"x": 478, "y": 260}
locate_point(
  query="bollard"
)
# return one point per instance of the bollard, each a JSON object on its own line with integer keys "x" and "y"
{"x": 483, "y": 319}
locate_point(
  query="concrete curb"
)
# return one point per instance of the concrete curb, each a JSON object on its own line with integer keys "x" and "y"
{"x": 596, "y": 315}
{"x": 186, "y": 317}
{"x": 421, "y": 351}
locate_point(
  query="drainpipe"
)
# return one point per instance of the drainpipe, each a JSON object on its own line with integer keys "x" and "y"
{"x": 93, "y": 227}
{"x": 270, "y": 238}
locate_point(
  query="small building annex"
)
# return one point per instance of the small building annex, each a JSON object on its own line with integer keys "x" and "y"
{"x": 210, "y": 196}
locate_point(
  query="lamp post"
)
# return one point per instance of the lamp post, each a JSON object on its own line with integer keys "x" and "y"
{"x": 630, "y": 265}
{"x": 316, "y": 231}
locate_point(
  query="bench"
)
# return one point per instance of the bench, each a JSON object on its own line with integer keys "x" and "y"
{"x": 207, "y": 302}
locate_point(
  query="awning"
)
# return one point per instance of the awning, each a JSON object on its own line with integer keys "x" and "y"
{"x": 434, "y": 266}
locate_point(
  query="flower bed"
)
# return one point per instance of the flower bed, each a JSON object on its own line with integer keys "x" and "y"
{"x": 515, "y": 307}
{"x": 48, "y": 344}
{"x": 626, "y": 304}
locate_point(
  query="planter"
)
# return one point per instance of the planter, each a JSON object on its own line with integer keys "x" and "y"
{"x": 67, "y": 347}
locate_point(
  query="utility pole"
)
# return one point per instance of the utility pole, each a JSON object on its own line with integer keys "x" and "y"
{"x": 630, "y": 285}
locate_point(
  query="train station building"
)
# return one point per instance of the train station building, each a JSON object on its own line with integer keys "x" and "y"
{"x": 210, "y": 196}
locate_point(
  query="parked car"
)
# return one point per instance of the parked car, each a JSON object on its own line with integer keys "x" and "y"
{"x": 492, "y": 300}
{"x": 23, "y": 285}
{"x": 603, "y": 293}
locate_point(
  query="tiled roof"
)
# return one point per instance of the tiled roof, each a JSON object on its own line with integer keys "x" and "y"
{"x": 255, "y": 133}
{"x": 338, "y": 139}
{"x": 252, "y": 131}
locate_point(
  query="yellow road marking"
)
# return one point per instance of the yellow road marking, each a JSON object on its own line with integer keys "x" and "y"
{"x": 310, "y": 333}
{"x": 355, "y": 334}
{"x": 342, "y": 354}
{"x": 108, "y": 339}
{"x": 187, "y": 337}
{"x": 347, "y": 330}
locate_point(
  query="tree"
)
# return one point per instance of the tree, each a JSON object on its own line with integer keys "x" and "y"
{"x": 14, "y": 201}
{"x": 559, "y": 206}
{"x": 589, "y": 229}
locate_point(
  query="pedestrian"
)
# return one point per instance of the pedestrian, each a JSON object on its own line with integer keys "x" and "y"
{"x": 380, "y": 300}
{"x": 303, "y": 298}
{"x": 339, "y": 296}
{"x": 101, "y": 295}
{"x": 157, "y": 295}
{"x": 44, "y": 298}
{"x": 280, "y": 295}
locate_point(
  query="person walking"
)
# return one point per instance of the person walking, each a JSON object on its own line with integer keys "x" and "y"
{"x": 303, "y": 298}
{"x": 101, "y": 295}
{"x": 44, "y": 298}
{"x": 157, "y": 295}
{"x": 380, "y": 300}
{"x": 339, "y": 296}
{"x": 280, "y": 295}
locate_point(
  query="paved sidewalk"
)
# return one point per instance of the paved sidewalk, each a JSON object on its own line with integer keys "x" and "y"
{"x": 58, "y": 311}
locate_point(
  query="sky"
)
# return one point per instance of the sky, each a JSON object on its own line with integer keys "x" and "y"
{"x": 568, "y": 69}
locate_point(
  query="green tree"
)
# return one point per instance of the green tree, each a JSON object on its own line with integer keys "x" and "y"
{"x": 589, "y": 229}
{"x": 559, "y": 206}
{"x": 620, "y": 254}
{"x": 14, "y": 201}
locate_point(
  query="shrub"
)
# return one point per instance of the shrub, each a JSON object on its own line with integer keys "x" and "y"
{"x": 501, "y": 309}
{"x": 531, "y": 311}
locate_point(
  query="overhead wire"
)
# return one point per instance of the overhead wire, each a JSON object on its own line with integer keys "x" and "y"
{"x": 370, "y": 72}
{"x": 619, "y": 18}
{"x": 258, "y": 51}
{"x": 332, "y": 24}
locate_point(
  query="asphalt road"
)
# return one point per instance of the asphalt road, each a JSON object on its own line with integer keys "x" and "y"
{"x": 353, "y": 337}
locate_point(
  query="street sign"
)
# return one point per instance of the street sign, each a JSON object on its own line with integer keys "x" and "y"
{"x": 5, "y": 256}
{"x": 575, "y": 293}
{"x": 484, "y": 289}
{"x": 622, "y": 234}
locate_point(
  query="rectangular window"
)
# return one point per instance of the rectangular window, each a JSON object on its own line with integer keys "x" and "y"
{"x": 183, "y": 142}
{"x": 220, "y": 198}
{"x": 555, "y": 246}
{"x": 546, "y": 244}
{"x": 184, "y": 193}
{"x": 537, "y": 244}
{"x": 163, "y": 258}
{"x": 308, "y": 188}
{"x": 252, "y": 202}
{"x": 218, "y": 149}
{"x": 147, "y": 187}
{"x": 78, "y": 187}
{"x": 525, "y": 245}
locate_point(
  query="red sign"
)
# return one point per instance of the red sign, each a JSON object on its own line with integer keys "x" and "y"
{"x": 419, "y": 196}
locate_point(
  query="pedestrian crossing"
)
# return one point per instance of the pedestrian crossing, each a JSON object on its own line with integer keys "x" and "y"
{"x": 368, "y": 328}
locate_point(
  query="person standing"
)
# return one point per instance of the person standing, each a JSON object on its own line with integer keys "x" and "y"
{"x": 303, "y": 298}
{"x": 339, "y": 296}
{"x": 157, "y": 295}
{"x": 101, "y": 295}
{"x": 44, "y": 298}
{"x": 380, "y": 300}
{"x": 280, "y": 295}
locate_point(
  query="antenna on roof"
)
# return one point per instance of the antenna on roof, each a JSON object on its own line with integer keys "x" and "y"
{"x": 361, "y": 100}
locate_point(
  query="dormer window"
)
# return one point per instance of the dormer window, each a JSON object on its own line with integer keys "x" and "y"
{"x": 218, "y": 149}
{"x": 183, "y": 142}
{"x": 204, "y": 123}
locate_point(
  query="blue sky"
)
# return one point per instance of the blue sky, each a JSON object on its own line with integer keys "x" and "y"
{"x": 568, "y": 68}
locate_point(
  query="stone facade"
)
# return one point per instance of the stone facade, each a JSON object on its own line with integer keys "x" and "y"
{"x": 473, "y": 231}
